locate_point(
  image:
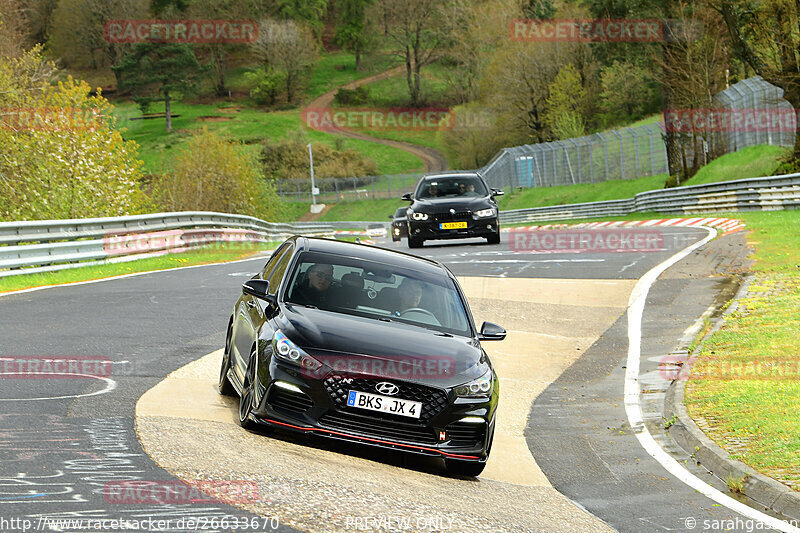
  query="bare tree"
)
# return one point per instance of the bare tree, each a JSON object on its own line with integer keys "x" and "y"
{"x": 766, "y": 37}
{"x": 11, "y": 28}
{"x": 420, "y": 30}
{"x": 287, "y": 46}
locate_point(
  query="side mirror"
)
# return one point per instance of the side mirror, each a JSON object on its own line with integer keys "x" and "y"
{"x": 497, "y": 192}
{"x": 407, "y": 197}
{"x": 391, "y": 217}
{"x": 491, "y": 332}
{"x": 258, "y": 288}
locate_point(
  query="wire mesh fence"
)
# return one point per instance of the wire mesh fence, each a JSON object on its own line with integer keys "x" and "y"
{"x": 751, "y": 112}
{"x": 348, "y": 189}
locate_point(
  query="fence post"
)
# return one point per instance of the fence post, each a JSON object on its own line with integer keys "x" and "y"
{"x": 652, "y": 154}
{"x": 621, "y": 154}
{"x": 635, "y": 150}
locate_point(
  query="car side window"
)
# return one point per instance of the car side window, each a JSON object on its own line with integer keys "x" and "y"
{"x": 276, "y": 275}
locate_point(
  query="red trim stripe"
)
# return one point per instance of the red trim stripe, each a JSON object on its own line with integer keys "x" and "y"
{"x": 302, "y": 428}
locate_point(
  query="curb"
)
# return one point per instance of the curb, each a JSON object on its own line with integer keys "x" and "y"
{"x": 760, "y": 488}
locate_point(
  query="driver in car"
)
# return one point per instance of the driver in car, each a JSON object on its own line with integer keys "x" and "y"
{"x": 316, "y": 288}
{"x": 410, "y": 295}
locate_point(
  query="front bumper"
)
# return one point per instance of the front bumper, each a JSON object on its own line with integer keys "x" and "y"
{"x": 431, "y": 229}
{"x": 317, "y": 406}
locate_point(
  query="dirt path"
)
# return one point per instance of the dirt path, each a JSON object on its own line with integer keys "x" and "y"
{"x": 433, "y": 160}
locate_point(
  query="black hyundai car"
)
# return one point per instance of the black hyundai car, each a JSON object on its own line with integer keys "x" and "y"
{"x": 363, "y": 344}
{"x": 452, "y": 206}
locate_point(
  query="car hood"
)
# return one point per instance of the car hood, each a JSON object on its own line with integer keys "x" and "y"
{"x": 459, "y": 203}
{"x": 357, "y": 345}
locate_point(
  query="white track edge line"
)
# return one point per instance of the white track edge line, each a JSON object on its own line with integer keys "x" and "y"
{"x": 633, "y": 409}
{"x": 123, "y": 276}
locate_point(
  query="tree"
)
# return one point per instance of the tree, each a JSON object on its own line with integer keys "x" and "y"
{"x": 155, "y": 72}
{"x": 62, "y": 156}
{"x": 78, "y": 38}
{"x": 219, "y": 53}
{"x": 766, "y": 37}
{"x": 214, "y": 173}
{"x": 310, "y": 12}
{"x": 288, "y": 47}
{"x": 351, "y": 27}
{"x": 517, "y": 85}
{"x": 36, "y": 14}
{"x": 628, "y": 93}
{"x": 421, "y": 31}
{"x": 11, "y": 28}
{"x": 565, "y": 104}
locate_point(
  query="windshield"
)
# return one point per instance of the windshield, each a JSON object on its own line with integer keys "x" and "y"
{"x": 356, "y": 287}
{"x": 454, "y": 186}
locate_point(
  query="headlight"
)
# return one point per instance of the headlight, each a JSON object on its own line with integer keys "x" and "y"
{"x": 419, "y": 216}
{"x": 485, "y": 213}
{"x": 477, "y": 388}
{"x": 287, "y": 351}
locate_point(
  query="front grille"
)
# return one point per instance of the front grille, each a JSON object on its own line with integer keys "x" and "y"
{"x": 464, "y": 434}
{"x": 297, "y": 402}
{"x": 433, "y": 400}
{"x": 449, "y": 217}
{"x": 369, "y": 426}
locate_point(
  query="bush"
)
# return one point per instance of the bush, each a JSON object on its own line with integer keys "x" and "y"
{"x": 60, "y": 154}
{"x": 265, "y": 85}
{"x": 287, "y": 158}
{"x": 358, "y": 96}
{"x": 213, "y": 173}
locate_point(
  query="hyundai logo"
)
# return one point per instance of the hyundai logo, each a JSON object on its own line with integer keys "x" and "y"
{"x": 389, "y": 389}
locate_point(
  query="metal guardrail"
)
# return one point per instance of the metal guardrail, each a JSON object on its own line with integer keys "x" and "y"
{"x": 44, "y": 245}
{"x": 39, "y": 245}
{"x": 752, "y": 194}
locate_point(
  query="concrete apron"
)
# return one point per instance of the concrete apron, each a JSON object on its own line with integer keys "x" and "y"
{"x": 550, "y": 323}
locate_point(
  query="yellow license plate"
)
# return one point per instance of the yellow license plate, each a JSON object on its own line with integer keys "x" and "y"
{"x": 453, "y": 225}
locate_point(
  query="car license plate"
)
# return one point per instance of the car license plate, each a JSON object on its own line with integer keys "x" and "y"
{"x": 384, "y": 404}
{"x": 453, "y": 225}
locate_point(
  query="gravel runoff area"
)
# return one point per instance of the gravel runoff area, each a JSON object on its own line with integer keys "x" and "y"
{"x": 322, "y": 485}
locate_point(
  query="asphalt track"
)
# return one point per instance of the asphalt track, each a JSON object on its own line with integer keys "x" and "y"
{"x": 62, "y": 440}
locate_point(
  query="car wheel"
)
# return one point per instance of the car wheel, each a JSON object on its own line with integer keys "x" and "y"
{"x": 493, "y": 239}
{"x": 224, "y": 385}
{"x": 248, "y": 393}
{"x": 414, "y": 242}
{"x": 463, "y": 468}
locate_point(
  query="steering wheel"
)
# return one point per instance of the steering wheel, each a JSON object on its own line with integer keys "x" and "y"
{"x": 419, "y": 310}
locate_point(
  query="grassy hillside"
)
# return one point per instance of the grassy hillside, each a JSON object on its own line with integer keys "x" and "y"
{"x": 249, "y": 125}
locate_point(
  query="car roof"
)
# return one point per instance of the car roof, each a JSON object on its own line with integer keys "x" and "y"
{"x": 370, "y": 253}
{"x": 459, "y": 174}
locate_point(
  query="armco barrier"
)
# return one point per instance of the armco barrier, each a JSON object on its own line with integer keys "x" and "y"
{"x": 54, "y": 244}
{"x": 753, "y": 194}
{"x": 44, "y": 245}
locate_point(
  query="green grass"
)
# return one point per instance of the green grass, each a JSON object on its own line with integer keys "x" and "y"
{"x": 249, "y": 125}
{"x": 371, "y": 211}
{"x": 580, "y": 193}
{"x": 210, "y": 254}
{"x": 750, "y": 162}
{"x": 339, "y": 68}
{"x": 746, "y": 381}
